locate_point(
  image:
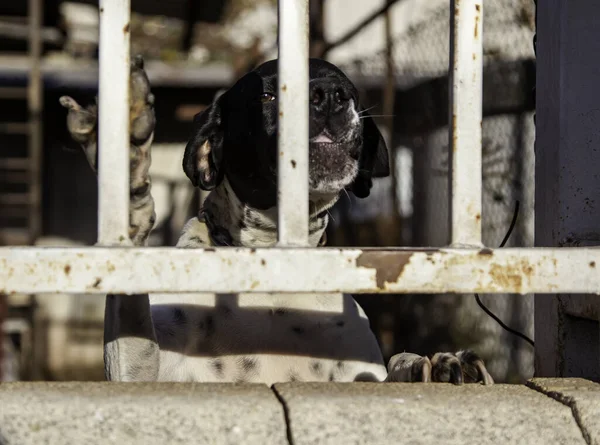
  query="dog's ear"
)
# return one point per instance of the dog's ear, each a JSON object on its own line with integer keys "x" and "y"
{"x": 374, "y": 160}
{"x": 204, "y": 151}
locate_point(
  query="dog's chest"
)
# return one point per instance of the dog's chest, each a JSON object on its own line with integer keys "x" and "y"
{"x": 263, "y": 338}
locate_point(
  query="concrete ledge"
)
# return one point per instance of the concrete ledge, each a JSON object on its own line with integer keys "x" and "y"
{"x": 131, "y": 413}
{"x": 582, "y": 396}
{"x": 372, "y": 413}
{"x": 300, "y": 413}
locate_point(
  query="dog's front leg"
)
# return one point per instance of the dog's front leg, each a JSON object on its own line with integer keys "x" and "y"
{"x": 131, "y": 352}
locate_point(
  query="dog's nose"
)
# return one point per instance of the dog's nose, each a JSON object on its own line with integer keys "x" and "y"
{"x": 328, "y": 98}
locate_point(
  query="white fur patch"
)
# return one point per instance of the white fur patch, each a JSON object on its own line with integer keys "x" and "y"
{"x": 264, "y": 338}
{"x": 355, "y": 116}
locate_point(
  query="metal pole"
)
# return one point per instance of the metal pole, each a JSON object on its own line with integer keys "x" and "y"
{"x": 113, "y": 123}
{"x": 292, "y": 194}
{"x": 35, "y": 104}
{"x": 465, "y": 121}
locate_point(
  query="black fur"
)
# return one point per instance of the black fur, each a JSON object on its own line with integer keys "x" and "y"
{"x": 240, "y": 130}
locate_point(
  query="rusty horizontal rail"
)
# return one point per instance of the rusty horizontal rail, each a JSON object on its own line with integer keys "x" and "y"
{"x": 103, "y": 270}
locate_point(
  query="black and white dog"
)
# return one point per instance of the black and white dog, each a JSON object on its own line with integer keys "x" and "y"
{"x": 254, "y": 337}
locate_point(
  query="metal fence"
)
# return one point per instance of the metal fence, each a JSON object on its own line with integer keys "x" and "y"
{"x": 465, "y": 266}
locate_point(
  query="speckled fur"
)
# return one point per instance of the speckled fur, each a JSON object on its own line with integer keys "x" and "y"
{"x": 263, "y": 338}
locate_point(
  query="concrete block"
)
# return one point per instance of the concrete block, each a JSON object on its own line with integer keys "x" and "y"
{"x": 139, "y": 413}
{"x": 375, "y": 413}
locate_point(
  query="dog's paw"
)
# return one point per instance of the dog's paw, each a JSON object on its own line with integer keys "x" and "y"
{"x": 82, "y": 123}
{"x": 141, "y": 116}
{"x": 409, "y": 367}
{"x": 462, "y": 367}
{"x": 473, "y": 368}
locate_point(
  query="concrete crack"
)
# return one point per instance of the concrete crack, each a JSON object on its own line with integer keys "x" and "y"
{"x": 286, "y": 414}
{"x": 568, "y": 402}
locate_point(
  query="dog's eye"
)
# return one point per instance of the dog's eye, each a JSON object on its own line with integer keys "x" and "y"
{"x": 267, "y": 97}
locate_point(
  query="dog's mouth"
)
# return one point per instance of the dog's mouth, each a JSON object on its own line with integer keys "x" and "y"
{"x": 322, "y": 138}
{"x": 332, "y": 163}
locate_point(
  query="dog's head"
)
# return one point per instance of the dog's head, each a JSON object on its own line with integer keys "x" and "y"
{"x": 237, "y": 137}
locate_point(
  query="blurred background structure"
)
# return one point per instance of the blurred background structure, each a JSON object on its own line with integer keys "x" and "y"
{"x": 396, "y": 51}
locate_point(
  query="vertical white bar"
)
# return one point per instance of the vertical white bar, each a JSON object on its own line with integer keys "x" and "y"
{"x": 292, "y": 197}
{"x": 113, "y": 123}
{"x": 466, "y": 69}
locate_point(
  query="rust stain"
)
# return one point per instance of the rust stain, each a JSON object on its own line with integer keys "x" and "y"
{"x": 592, "y": 264}
{"x": 506, "y": 278}
{"x": 388, "y": 265}
{"x": 512, "y": 277}
{"x": 67, "y": 269}
{"x": 486, "y": 251}
{"x": 293, "y": 163}
{"x": 97, "y": 283}
{"x": 281, "y": 114}
{"x": 478, "y": 8}
{"x": 476, "y": 34}
{"x": 263, "y": 263}
{"x": 126, "y": 28}
{"x": 110, "y": 266}
{"x": 284, "y": 87}
{"x": 478, "y": 217}
{"x": 474, "y": 56}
